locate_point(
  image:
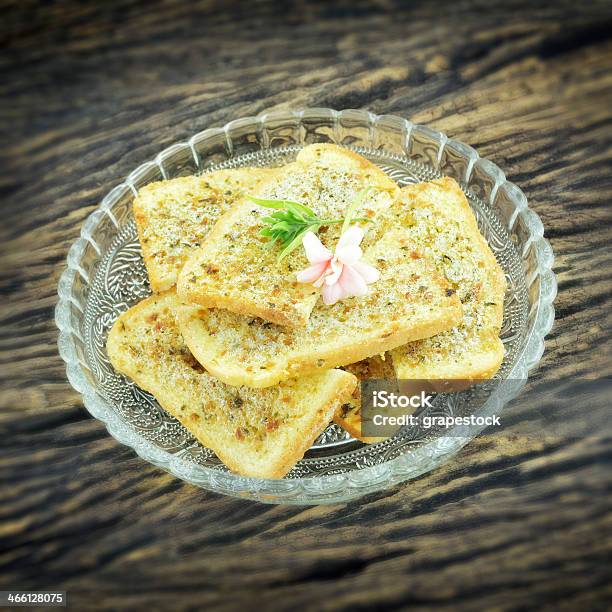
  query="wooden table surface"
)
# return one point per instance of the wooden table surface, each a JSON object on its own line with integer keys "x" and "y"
{"x": 520, "y": 519}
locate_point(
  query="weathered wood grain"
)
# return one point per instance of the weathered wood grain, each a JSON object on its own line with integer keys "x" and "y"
{"x": 519, "y": 519}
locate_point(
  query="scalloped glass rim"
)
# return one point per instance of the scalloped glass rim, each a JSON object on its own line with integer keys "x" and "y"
{"x": 390, "y": 133}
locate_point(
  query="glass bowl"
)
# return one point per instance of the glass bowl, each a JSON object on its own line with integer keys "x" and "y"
{"x": 105, "y": 275}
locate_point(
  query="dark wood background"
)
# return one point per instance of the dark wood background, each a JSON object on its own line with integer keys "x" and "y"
{"x": 520, "y": 519}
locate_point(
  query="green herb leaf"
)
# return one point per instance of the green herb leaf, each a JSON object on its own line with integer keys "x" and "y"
{"x": 291, "y": 220}
{"x": 294, "y": 244}
{"x": 295, "y": 207}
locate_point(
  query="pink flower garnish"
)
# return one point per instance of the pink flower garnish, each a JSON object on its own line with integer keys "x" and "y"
{"x": 341, "y": 274}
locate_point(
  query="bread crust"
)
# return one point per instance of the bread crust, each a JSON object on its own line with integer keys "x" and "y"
{"x": 354, "y": 349}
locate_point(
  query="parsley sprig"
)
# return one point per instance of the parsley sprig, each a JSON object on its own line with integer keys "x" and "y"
{"x": 291, "y": 220}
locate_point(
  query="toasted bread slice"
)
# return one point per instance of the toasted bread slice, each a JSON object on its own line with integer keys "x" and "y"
{"x": 409, "y": 301}
{"x": 173, "y": 217}
{"x": 443, "y": 225}
{"x": 237, "y": 269}
{"x": 258, "y": 433}
{"x": 348, "y": 416}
